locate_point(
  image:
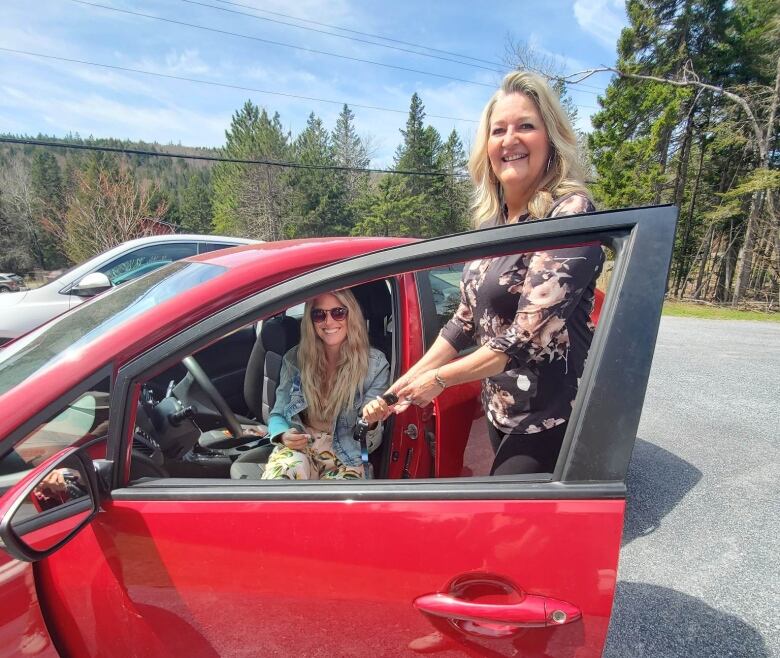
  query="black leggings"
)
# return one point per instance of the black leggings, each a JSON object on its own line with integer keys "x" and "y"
{"x": 516, "y": 454}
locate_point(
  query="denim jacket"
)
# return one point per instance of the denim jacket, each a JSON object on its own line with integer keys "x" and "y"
{"x": 290, "y": 402}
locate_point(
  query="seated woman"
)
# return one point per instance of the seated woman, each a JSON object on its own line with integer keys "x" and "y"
{"x": 325, "y": 382}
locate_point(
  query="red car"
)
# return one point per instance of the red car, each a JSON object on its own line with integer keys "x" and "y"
{"x": 132, "y": 527}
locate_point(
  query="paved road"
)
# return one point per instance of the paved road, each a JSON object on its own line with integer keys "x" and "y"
{"x": 699, "y": 569}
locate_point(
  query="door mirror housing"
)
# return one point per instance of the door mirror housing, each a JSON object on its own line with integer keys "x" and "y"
{"x": 48, "y": 507}
{"x": 92, "y": 284}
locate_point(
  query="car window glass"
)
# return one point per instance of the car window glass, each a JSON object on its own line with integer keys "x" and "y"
{"x": 445, "y": 288}
{"x": 206, "y": 247}
{"x": 83, "y": 419}
{"x": 65, "y": 335}
{"x": 197, "y": 434}
{"x": 142, "y": 261}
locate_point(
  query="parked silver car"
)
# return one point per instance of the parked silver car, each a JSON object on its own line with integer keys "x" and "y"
{"x": 27, "y": 309}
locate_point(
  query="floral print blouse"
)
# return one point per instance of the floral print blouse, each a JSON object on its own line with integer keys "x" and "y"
{"x": 534, "y": 307}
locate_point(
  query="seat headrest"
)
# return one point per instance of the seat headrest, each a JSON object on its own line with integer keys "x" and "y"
{"x": 374, "y": 299}
{"x": 280, "y": 333}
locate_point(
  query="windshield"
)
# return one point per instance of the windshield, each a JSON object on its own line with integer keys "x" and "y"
{"x": 63, "y": 337}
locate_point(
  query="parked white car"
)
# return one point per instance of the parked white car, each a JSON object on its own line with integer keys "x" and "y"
{"x": 22, "y": 311}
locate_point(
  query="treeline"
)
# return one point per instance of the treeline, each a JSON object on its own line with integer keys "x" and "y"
{"x": 691, "y": 118}
{"x": 60, "y": 206}
{"x": 708, "y": 144}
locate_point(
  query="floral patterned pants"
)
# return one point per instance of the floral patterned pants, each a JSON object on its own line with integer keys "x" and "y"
{"x": 315, "y": 462}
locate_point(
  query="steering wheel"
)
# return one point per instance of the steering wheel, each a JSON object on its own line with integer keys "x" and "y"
{"x": 202, "y": 379}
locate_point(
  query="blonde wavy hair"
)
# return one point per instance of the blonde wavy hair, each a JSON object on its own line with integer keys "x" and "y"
{"x": 326, "y": 399}
{"x": 564, "y": 174}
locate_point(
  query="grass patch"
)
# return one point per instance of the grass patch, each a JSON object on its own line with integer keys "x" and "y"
{"x": 688, "y": 310}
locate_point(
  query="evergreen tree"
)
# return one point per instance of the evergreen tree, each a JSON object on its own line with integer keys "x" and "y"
{"x": 49, "y": 193}
{"x": 419, "y": 148}
{"x": 390, "y": 210}
{"x": 419, "y": 152}
{"x": 318, "y": 194}
{"x": 643, "y": 142}
{"x": 252, "y": 200}
{"x": 450, "y": 198}
{"x": 196, "y": 208}
{"x": 349, "y": 151}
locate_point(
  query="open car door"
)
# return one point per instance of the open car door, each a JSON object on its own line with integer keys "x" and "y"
{"x": 488, "y": 566}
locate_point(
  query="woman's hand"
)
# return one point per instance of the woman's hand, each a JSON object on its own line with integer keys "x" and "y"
{"x": 376, "y": 410}
{"x": 294, "y": 439}
{"x": 420, "y": 390}
{"x": 400, "y": 384}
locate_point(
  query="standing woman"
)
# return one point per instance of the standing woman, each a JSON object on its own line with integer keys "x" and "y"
{"x": 326, "y": 382}
{"x": 529, "y": 313}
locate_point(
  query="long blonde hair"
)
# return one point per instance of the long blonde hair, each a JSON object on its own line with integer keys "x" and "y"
{"x": 326, "y": 399}
{"x": 564, "y": 174}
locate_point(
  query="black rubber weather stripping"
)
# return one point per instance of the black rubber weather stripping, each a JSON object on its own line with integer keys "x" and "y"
{"x": 494, "y": 488}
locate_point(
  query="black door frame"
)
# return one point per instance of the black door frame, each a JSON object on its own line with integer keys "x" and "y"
{"x": 600, "y": 436}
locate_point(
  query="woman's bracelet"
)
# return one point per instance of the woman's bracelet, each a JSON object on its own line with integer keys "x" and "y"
{"x": 439, "y": 380}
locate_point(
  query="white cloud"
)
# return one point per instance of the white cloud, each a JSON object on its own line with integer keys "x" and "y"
{"x": 603, "y": 19}
{"x": 100, "y": 116}
{"x": 280, "y": 76}
{"x": 563, "y": 63}
{"x": 185, "y": 63}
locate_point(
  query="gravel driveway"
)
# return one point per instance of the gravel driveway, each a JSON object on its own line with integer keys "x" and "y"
{"x": 699, "y": 567}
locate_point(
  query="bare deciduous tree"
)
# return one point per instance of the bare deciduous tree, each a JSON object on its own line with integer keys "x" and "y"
{"x": 104, "y": 211}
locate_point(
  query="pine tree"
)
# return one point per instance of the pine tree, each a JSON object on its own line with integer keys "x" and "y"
{"x": 419, "y": 148}
{"x": 390, "y": 210}
{"x": 49, "y": 192}
{"x": 419, "y": 152}
{"x": 643, "y": 143}
{"x": 450, "y": 198}
{"x": 318, "y": 194}
{"x": 196, "y": 208}
{"x": 252, "y": 200}
{"x": 350, "y": 151}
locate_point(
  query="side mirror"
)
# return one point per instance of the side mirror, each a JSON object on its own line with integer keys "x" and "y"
{"x": 92, "y": 284}
{"x": 48, "y": 507}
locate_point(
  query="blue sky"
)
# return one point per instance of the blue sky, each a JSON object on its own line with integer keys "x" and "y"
{"x": 56, "y": 98}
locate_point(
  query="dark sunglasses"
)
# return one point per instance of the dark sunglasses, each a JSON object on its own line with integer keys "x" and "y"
{"x": 338, "y": 313}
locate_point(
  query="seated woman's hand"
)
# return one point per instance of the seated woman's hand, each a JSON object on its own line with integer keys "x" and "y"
{"x": 294, "y": 439}
{"x": 376, "y": 410}
{"x": 399, "y": 385}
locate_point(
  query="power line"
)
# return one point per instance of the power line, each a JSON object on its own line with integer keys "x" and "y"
{"x": 373, "y": 36}
{"x": 280, "y": 43}
{"x": 339, "y": 36}
{"x": 365, "y": 34}
{"x": 226, "y": 85}
{"x": 222, "y": 84}
{"x": 213, "y": 158}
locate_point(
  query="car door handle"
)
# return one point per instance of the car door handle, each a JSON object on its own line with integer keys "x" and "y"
{"x": 531, "y": 611}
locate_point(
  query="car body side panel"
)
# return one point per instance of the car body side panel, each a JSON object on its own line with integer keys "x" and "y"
{"x": 242, "y": 582}
{"x": 23, "y": 631}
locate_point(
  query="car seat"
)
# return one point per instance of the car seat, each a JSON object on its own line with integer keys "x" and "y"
{"x": 277, "y": 335}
